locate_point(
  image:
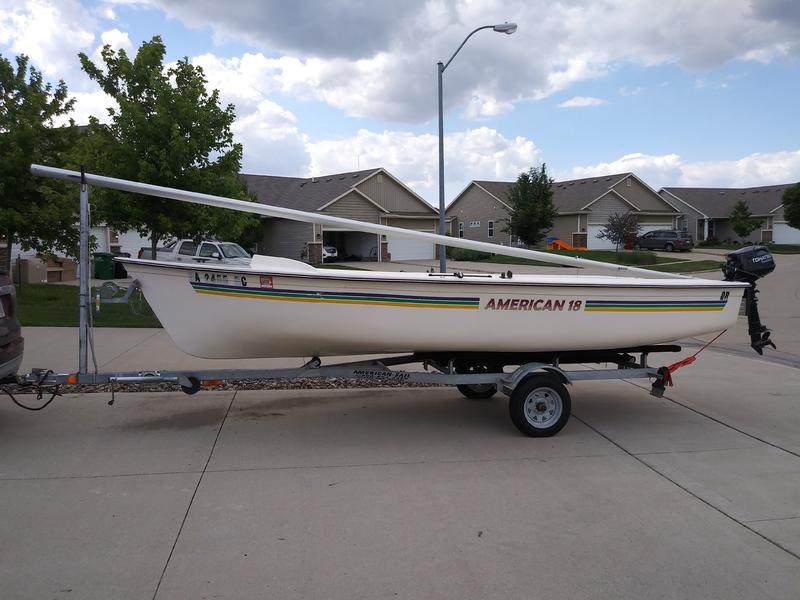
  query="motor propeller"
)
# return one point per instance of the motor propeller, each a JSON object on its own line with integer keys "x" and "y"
{"x": 748, "y": 265}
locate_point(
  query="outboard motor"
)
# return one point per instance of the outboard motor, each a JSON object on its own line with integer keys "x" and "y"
{"x": 747, "y": 265}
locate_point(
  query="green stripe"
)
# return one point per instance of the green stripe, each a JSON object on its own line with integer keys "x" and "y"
{"x": 329, "y": 296}
{"x": 665, "y": 305}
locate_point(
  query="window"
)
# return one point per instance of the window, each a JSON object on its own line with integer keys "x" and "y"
{"x": 206, "y": 250}
{"x": 234, "y": 251}
{"x": 461, "y": 230}
{"x": 188, "y": 248}
{"x": 474, "y": 223}
{"x": 491, "y": 228}
{"x": 170, "y": 246}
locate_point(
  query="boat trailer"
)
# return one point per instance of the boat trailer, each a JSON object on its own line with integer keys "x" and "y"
{"x": 539, "y": 403}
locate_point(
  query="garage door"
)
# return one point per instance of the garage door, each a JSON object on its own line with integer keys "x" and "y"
{"x": 595, "y": 243}
{"x": 782, "y": 233}
{"x": 403, "y": 249}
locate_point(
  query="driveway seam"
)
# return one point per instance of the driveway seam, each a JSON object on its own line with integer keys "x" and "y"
{"x": 413, "y": 462}
{"x": 106, "y": 476}
{"x": 194, "y": 494}
{"x": 124, "y": 352}
{"x": 719, "y": 421}
{"x": 688, "y": 491}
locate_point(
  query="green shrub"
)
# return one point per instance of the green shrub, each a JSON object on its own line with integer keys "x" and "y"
{"x": 470, "y": 255}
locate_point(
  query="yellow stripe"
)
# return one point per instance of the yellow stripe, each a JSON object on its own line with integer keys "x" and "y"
{"x": 652, "y": 309}
{"x": 325, "y": 300}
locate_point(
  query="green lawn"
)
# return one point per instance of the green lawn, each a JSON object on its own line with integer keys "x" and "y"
{"x": 53, "y": 305}
{"x": 689, "y": 266}
{"x": 774, "y": 248}
{"x": 640, "y": 259}
{"x": 784, "y": 248}
{"x": 342, "y": 267}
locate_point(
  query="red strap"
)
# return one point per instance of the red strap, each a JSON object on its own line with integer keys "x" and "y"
{"x": 690, "y": 359}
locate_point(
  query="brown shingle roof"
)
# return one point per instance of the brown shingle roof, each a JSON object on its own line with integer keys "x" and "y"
{"x": 568, "y": 196}
{"x": 718, "y": 203}
{"x": 302, "y": 193}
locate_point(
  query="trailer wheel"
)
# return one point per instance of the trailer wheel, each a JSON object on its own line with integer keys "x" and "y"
{"x": 477, "y": 391}
{"x": 540, "y": 406}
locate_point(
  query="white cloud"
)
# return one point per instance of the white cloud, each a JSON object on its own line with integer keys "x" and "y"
{"x": 480, "y": 153}
{"x": 118, "y": 40}
{"x": 51, "y": 34}
{"x": 671, "y": 170}
{"x": 378, "y": 59}
{"x": 272, "y": 143}
{"x": 581, "y": 101}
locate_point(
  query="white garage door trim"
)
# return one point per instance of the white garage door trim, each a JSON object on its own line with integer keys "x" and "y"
{"x": 783, "y": 233}
{"x": 405, "y": 249}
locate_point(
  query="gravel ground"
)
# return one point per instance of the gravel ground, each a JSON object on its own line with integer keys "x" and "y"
{"x": 305, "y": 383}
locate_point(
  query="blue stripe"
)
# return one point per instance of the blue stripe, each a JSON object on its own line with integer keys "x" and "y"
{"x": 223, "y": 286}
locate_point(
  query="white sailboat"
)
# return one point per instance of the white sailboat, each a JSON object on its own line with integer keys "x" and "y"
{"x": 281, "y": 307}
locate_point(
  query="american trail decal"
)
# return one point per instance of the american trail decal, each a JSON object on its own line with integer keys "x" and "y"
{"x": 654, "y": 305}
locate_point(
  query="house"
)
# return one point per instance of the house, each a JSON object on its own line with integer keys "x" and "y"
{"x": 708, "y": 212}
{"x": 372, "y": 195}
{"x": 480, "y": 211}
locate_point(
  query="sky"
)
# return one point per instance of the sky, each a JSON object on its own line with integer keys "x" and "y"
{"x": 681, "y": 92}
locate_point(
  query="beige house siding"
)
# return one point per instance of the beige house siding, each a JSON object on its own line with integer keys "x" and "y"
{"x": 668, "y": 221}
{"x": 386, "y": 192}
{"x": 354, "y": 206}
{"x": 564, "y": 226}
{"x": 428, "y": 225}
{"x": 606, "y": 206}
{"x": 477, "y": 205}
{"x": 282, "y": 237}
{"x": 641, "y": 196}
{"x": 779, "y": 215}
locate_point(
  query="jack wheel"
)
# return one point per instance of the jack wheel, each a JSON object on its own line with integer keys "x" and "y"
{"x": 192, "y": 388}
{"x": 540, "y": 406}
{"x": 477, "y": 391}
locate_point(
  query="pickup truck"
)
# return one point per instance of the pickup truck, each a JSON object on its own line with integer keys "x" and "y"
{"x": 11, "y": 342}
{"x": 207, "y": 251}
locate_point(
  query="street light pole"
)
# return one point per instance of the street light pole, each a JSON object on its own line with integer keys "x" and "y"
{"x": 508, "y": 29}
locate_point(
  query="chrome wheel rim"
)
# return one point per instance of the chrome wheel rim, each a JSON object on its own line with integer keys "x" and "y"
{"x": 543, "y": 407}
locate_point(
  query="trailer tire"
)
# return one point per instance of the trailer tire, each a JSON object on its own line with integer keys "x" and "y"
{"x": 540, "y": 406}
{"x": 479, "y": 391}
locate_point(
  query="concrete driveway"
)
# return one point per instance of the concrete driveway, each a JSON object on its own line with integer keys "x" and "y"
{"x": 409, "y": 493}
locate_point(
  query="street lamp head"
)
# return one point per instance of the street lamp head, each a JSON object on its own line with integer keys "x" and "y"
{"x": 507, "y": 28}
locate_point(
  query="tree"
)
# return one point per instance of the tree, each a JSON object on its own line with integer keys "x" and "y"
{"x": 620, "y": 229}
{"x": 166, "y": 129}
{"x": 791, "y": 205}
{"x": 531, "y": 211}
{"x": 742, "y": 220}
{"x": 33, "y": 211}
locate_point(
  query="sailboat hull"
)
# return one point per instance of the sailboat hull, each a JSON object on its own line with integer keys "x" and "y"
{"x": 282, "y": 308}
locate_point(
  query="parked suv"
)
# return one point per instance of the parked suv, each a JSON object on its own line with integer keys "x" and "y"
{"x": 207, "y": 251}
{"x": 11, "y": 342}
{"x": 329, "y": 253}
{"x": 664, "y": 239}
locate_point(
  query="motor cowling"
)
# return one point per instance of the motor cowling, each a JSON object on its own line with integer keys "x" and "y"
{"x": 748, "y": 264}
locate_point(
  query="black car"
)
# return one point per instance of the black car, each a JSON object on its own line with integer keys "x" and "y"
{"x": 11, "y": 342}
{"x": 664, "y": 239}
